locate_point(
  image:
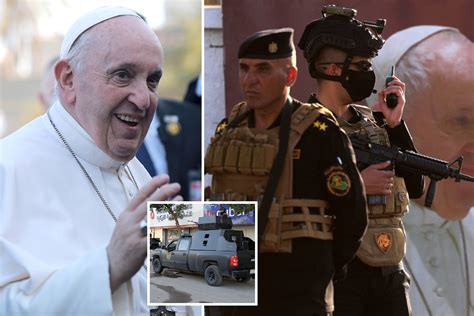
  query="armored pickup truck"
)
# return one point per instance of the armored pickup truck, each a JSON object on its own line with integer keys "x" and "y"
{"x": 215, "y": 250}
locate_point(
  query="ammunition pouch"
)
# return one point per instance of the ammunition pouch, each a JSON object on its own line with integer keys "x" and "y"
{"x": 396, "y": 204}
{"x": 384, "y": 243}
{"x": 240, "y": 162}
{"x": 241, "y": 151}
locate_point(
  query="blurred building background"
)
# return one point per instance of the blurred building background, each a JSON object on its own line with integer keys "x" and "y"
{"x": 31, "y": 32}
{"x": 164, "y": 228}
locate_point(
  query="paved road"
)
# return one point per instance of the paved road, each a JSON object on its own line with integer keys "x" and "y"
{"x": 172, "y": 286}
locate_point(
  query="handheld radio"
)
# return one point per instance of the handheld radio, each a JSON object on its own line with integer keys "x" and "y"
{"x": 391, "y": 99}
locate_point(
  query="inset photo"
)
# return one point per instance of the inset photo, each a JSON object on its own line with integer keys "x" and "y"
{"x": 202, "y": 253}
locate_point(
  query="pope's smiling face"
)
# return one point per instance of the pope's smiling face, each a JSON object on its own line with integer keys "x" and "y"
{"x": 116, "y": 89}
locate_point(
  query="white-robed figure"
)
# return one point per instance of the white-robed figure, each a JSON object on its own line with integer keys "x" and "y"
{"x": 72, "y": 195}
{"x": 436, "y": 64}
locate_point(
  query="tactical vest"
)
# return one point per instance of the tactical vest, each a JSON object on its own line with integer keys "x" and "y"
{"x": 240, "y": 160}
{"x": 384, "y": 243}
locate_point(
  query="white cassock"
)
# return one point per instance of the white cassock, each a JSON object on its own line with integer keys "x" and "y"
{"x": 440, "y": 261}
{"x": 54, "y": 229}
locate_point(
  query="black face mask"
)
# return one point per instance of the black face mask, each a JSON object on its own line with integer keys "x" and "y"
{"x": 359, "y": 84}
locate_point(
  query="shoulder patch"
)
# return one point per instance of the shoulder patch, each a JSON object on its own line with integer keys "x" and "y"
{"x": 338, "y": 182}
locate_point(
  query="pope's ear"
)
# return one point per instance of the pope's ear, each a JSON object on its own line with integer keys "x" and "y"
{"x": 64, "y": 78}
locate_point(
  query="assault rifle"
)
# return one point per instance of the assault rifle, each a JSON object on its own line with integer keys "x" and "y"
{"x": 370, "y": 153}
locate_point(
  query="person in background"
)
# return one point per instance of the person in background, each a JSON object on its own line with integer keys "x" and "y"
{"x": 339, "y": 48}
{"x": 194, "y": 91}
{"x": 46, "y": 94}
{"x": 173, "y": 146}
{"x": 73, "y": 197}
{"x": 436, "y": 62}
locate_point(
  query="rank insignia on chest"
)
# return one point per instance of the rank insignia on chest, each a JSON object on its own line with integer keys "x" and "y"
{"x": 296, "y": 154}
{"x": 338, "y": 182}
{"x": 383, "y": 241}
{"x": 321, "y": 126}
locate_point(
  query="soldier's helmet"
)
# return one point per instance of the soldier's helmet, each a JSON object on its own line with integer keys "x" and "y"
{"x": 338, "y": 28}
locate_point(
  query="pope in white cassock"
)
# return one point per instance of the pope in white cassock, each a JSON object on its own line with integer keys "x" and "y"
{"x": 436, "y": 62}
{"x": 72, "y": 195}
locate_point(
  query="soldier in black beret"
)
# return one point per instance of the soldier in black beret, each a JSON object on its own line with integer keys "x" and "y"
{"x": 338, "y": 49}
{"x": 294, "y": 159}
{"x": 268, "y": 44}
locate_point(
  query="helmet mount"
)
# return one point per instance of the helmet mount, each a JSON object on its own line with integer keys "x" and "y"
{"x": 339, "y": 28}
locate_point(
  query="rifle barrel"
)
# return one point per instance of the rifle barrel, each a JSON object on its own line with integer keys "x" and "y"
{"x": 370, "y": 153}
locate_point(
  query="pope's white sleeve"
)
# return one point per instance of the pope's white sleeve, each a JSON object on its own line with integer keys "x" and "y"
{"x": 80, "y": 288}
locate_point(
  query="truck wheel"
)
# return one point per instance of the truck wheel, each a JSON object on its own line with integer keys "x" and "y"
{"x": 243, "y": 279}
{"x": 213, "y": 275}
{"x": 157, "y": 267}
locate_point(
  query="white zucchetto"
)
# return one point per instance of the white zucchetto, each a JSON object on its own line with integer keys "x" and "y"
{"x": 87, "y": 21}
{"x": 395, "y": 47}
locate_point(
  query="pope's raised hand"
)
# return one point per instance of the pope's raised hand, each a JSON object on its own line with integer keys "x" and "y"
{"x": 127, "y": 247}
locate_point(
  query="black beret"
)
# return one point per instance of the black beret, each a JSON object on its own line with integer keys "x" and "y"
{"x": 268, "y": 44}
{"x": 346, "y": 33}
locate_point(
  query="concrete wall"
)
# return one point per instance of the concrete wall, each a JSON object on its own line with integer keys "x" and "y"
{"x": 214, "y": 97}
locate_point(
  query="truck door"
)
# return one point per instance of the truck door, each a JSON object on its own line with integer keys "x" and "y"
{"x": 180, "y": 255}
{"x": 168, "y": 254}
